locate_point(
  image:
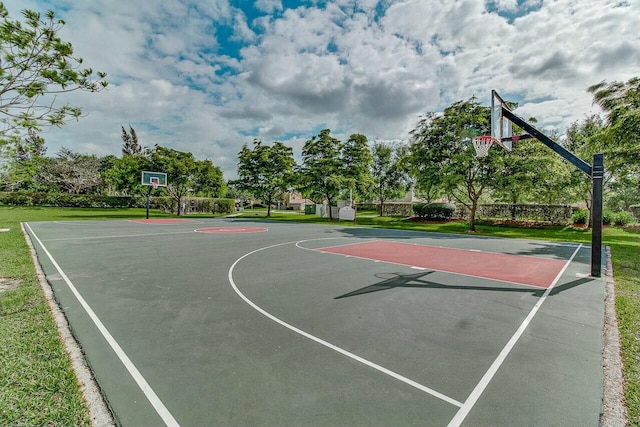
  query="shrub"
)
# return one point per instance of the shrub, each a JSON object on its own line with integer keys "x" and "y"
{"x": 623, "y": 218}
{"x": 581, "y": 216}
{"x": 434, "y": 211}
{"x": 223, "y": 206}
{"x": 608, "y": 217}
{"x": 635, "y": 210}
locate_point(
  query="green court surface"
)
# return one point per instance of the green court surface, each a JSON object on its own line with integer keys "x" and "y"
{"x": 278, "y": 324}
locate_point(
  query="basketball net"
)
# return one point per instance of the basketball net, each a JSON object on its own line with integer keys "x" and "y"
{"x": 155, "y": 184}
{"x": 482, "y": 144}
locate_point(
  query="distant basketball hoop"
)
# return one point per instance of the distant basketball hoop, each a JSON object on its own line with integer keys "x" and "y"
{"x": 482, "y": 144}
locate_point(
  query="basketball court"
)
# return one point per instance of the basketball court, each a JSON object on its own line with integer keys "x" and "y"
{"x": 233, "y": 323}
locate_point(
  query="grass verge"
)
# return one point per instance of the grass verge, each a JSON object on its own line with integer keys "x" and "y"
{"x": 38, "y": 387}
{"x": 37, "y": 384}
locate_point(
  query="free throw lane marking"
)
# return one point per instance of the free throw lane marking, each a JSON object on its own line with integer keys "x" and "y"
{"x": 153, "y": 398}
{"x": 520, "y": 269}
{"x": 488, "y": 376}
{"x": 323, "y": 342}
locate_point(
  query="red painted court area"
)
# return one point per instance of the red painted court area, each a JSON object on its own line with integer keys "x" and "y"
{"x": 525, "y": 270}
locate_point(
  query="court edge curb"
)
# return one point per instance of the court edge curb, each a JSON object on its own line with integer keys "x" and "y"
{"x": 101, "y": 415}
{"x": 613, "y": 409}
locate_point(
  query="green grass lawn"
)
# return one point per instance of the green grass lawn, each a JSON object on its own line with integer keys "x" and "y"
{"x": 37, "y": 384}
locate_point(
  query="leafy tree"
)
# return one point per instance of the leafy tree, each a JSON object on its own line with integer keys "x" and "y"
{"x": 207, "y": 180}
{"x": 35, "y": 66}
{"x": 389, "y": 177}
{"x": 357, "y": 163}
{"x": 620, "y": 139}
{"x": 322, "y": 175}
{"x": 235, "y": 192}
{"x": 441, "y": 149}
{"x": 123, "y": 175}
{"x": 74, "y": 173}
{"x": 583, "y": 140}
{"x": 179, "y": 167}
{"x": 130, "y": 146}
{"x": 265, "y": 171}
{"x": 24, "y": 165}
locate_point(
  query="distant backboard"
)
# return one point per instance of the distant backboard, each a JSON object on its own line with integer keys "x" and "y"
{"x": 159, "y": 178}
{"x": 501, "y": 127}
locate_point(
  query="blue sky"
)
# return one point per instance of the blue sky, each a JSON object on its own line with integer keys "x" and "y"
{"x": 208, "y": 76}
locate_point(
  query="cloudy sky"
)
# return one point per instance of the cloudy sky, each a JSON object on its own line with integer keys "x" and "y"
{"x": 208, "y": 76}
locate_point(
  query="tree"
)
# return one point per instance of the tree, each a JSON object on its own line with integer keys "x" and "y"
{"x": 179, "y": 167}
{"x": 74, "y": 172}
{"x": 620, "y": 139}
{"x": 356, "y": 163}
{"x": 207, "y": 180}
{"x": 582, "y": 140}
{"x": 441, "y": 147}
{"x": 123, "y": 175}
{"x": 389, "y": 177}
{"x": 322, "y": 173}
{"x": 265, "y": 171}
{"x": 130, "y": 146}
{"x": 25, "y": 162}
{"x": 35, "y": 66}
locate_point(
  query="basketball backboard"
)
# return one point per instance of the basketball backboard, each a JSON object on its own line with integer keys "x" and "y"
{"x": 501, "y": 127}
{"x": 157, "y": 178}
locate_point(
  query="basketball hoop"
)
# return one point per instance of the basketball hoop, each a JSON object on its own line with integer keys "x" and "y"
{"x": 482, "y": 144}
{"x": 155, "y": 184}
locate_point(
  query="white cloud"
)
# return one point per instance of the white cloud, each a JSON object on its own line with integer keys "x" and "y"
{"x": 362, "y": 66}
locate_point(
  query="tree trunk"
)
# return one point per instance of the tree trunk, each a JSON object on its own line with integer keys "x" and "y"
{"x": 269, "y": 207}
{"x": 472, "y": 215}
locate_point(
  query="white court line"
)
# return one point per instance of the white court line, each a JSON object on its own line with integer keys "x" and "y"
{"x": 488, "y": 376}
{"x": 118, "y": 236}
{"x": 155, "y": 401}
{"x": 325, "y": 343}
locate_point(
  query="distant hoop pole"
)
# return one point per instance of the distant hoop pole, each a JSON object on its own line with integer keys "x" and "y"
{"x": 147, "y": 201}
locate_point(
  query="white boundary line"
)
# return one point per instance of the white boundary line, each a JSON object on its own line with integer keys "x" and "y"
{"x": 488, "y": 376}
{"x": 325, "y": 343}
{"x": 118, "y": 236}
{"x": 155, "y": 401}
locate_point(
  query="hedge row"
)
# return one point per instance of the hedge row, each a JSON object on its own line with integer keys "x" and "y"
{"x": 168, "y": 204}
{"x": 71, "y": 200}
{"x": 635, "y": 210}
{"x": 557, "y": 214}
{"x": 193, "y": 205}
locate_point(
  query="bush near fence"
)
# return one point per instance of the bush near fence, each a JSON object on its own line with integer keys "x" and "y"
{"x": 555, "y": 214}
{"x": 635, "y": 210}
{"x": 434, "y": 211}
{"x": 397, "y": 209}
{"x": 194, "y": 205}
